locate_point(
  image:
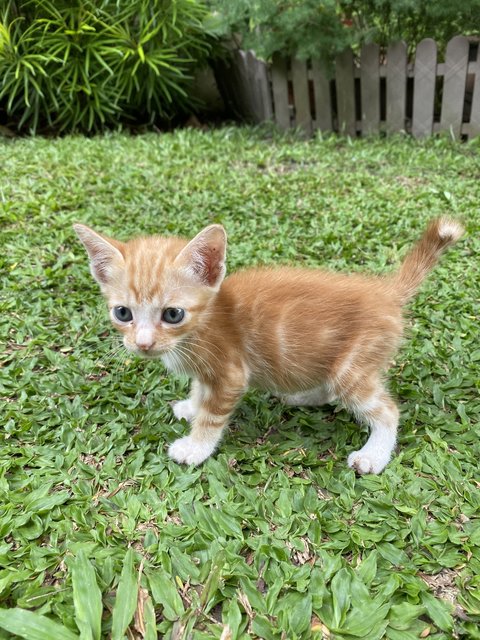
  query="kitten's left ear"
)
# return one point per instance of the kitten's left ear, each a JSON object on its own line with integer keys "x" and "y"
{"x": 204, "y": 256}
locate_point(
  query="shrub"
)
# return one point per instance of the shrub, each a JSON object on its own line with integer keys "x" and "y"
{"x": 322, "y": 28}
{"x": 86, "y": 65}
{"x": 384, "y": 21}
{"x": 305, "y": 28}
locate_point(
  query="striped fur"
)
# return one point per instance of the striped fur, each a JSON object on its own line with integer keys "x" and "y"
{"x": 309, "y": 335}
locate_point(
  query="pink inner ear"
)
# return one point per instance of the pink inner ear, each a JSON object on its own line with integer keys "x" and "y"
{"x": 209, "y": 265}
{"x": 101, "y": 266}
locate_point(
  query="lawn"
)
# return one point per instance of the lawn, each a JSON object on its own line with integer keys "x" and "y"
{"x": 273, "y": 537}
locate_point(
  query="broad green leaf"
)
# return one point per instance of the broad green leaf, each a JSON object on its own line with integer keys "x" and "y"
{"x": 211, "y": 584}
{"x": 330, "y": 564}
{"x": 393, "y": 554}
{"x": 401, "y": 615}
{"x": 232, "y": 616}
{"x": 317, "y": 587}
{"x": 33, "y": 626}
{"x": 263, "y": 628}
{"x": 126, "y": 598}
{"x": 367, "y": 570}
{"x": 226, "y": 523}
{"x": 164, "y": 592}
{"x": 362, "y": 621}
{"x": 87, "y": 597}
{"x": 254, "y": 596}
{"x": 299, "y": 608}
{"x": 284, "y": 503}
{"x": 340, "y": 587}
{"x": 439, "y": 611}
{"x": 183, "y": 565}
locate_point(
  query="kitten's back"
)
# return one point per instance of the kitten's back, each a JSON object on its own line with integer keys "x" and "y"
{"x": 299, "y": 325}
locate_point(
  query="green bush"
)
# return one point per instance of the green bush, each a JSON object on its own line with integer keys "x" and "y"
{"x": 86, "y": 65}
{"x": 322, "y": 28}
{"x": 384, "y": 21}
{"x": 304, "y": 28}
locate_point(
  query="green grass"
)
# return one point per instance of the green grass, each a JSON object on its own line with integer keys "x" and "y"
{"x": 273, "y": 537}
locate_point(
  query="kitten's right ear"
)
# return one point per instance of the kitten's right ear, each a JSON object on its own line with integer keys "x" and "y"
{"x": 105, "y": 253}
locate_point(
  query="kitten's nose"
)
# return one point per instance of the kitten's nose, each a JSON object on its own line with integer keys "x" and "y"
{"x": 144, "y": 340}
{"x": 144, "y": 346}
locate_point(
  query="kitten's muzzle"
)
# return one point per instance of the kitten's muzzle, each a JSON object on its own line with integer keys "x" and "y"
{"x": 149, "y": 352}
{"x": 145, "y": 345}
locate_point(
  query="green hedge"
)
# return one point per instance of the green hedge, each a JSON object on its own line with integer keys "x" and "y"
{"x": 322, "y": 28}
{"x": 85, "y": 65}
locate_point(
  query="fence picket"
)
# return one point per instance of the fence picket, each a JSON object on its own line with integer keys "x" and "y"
{"x": 247, "y": 86}
{"x": 254, "y": 92}
{"x": 304, "y": 97}
{"x": 240, "y": 95}
{"x": 280, "y": 92}
{"x": 301, "y": 96}
{"x": 252, "y": 95}
{"x": 345, "y": 75}
{"x": 321, "y": 91}
{"x": 370, "y": 88}
{"x": 425, "y": 71}
{"x": 474, "y": 126}
{"x": 262, "y": 85}
{"x": 396, "y": 97}
{"x": 456, "y": 64}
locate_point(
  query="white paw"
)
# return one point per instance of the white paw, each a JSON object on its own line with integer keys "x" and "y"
{"x": 190, "y": 451}
{"x": 184, "y": 409}
{"x": 365, "y": 461}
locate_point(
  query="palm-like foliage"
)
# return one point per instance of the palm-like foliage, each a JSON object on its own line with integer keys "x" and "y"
{"x": 86, "y": 65}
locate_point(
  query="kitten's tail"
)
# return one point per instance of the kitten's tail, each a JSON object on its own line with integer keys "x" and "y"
{"x": 439, "y": 235}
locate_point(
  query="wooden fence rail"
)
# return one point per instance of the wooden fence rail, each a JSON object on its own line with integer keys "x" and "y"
{"x": 378, "y": 91}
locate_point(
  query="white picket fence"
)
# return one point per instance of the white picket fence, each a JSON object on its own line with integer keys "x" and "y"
{"x": 378, "y": 91}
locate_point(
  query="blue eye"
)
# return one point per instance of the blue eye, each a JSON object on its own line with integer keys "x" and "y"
{"x": 173, "y": 316}
{"x": 123, "y": 314}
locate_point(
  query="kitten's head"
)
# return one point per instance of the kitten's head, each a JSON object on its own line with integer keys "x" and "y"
{"x": 158, "y": 289}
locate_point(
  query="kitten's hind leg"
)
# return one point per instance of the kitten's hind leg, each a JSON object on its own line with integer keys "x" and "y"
{"x": 373, "y": 405}
{"x": 311, "y": 398}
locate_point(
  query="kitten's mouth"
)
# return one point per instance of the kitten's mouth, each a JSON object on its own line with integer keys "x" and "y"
{"x": 151, "y": 354}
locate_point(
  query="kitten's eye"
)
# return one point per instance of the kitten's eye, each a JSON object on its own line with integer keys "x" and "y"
{"x": 123, "y": 314}
{"x": 173, "y": 316}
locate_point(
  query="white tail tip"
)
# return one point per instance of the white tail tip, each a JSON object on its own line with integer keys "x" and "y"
{"x": 449, "y": 230}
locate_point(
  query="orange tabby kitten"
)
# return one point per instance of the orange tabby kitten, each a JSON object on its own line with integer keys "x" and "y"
{"x": 309, "y": 335}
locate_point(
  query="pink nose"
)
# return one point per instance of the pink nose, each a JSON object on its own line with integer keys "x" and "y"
{"x": 144, "y": 345}
{"x": 144, "y": 338}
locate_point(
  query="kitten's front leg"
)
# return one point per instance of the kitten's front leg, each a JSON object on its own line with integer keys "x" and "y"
{"x": 187, "y": 409}
{"x": 215, "y": 408}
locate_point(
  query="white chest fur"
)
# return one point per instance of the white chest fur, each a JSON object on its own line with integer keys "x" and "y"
{"x": 173, "y": 362}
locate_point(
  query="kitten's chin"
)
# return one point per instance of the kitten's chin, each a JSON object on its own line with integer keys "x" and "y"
{"x": 154, "y": 354}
